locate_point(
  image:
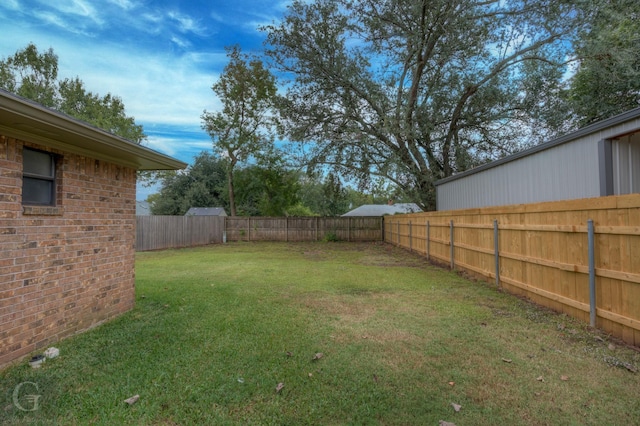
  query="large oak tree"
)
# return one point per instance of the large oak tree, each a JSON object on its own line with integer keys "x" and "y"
{"x": 416, "y": 91}
{"x": 607, "y": 80}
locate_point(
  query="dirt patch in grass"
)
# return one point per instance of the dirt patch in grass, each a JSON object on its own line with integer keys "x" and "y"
{"x": 341, "y": 308}
{"x": 392, "y": 257}
{"x": 390, "y": 336}
{"x": 315, "y": 255}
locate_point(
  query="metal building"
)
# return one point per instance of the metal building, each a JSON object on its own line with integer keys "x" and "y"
{"x": 597, "y": 160}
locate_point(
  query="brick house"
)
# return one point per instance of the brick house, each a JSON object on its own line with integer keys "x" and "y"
{"x": 67, "y": 224}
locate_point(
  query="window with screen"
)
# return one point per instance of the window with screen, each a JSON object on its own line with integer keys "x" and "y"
{"x": 38, "y": 178}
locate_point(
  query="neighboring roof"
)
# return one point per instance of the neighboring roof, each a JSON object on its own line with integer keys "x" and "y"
{"x": 383, "y": 209}
{"x": 27, "y": 120}
{"x": 584, "y": 131}
{"x": 143, "y": 208}
{"x": 206, "y": 211}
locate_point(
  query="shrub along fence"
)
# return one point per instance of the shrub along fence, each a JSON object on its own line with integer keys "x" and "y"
{"x": 162, "y": 232}
{"x": 580, "y": 257}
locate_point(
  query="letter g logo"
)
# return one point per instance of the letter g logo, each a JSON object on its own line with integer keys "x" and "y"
{"x": 30, "y": 398}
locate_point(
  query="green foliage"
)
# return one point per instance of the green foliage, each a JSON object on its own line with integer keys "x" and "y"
{"x": 300, "y": 210}
{"x": 267, "y": 191}
{"x": 203, "y": 184}
{"x": 261, "y": 190}
{"x": 330, "y": 237}
{"x": 325, "y": 198}
{"x": 31, "y": 74}
{"x": 106, "y": 112}
{"x": 416, "y": 91}
{"x": 607, "y": 81}
{"x": 241, "y": 131}
{"x": 269, "y": 188}
{"x": 34, "y": 75}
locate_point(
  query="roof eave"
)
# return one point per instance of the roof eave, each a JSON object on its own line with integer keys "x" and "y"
{"x": 30, "y": 121}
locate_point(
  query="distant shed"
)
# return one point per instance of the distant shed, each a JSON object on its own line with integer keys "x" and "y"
{"x": 206, "y": 211}
{"x": 384, "y": 209}
{"x": 143, "y": 208}
{"x": 598, "y": 160}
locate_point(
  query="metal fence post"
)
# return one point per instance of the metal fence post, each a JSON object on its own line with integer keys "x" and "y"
{"x": 410, "y": 238}
{"x": 428, "y": 241}
{"x": 496, "y": 251}
{"x": 391, "y": 231}
{"x": 453, "y": 263}
{"x": 592, "y": 274}
{"x": 224, "y": 231}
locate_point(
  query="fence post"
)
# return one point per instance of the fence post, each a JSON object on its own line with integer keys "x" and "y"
{"x": 286, "y": 229}
{"x": 397, "y": 238}
{"x": 428, "y": 241}
{"x": 496, "y": 251}
{"x": 592, "y": 274}
{"x": 224, "y": 231}
{"x": 399, "y": 245}
{"x": 410, "y": 238}
{"x": 453, "y": 263}
{"x": 349, "y": 229}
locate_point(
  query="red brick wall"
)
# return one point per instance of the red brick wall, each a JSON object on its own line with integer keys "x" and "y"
{"x": 68, "y": 268}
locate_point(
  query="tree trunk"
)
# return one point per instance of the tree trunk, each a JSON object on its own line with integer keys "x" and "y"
{"x": 232, "y": 198}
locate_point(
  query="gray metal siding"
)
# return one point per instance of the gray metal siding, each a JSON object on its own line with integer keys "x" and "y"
{"x": 559, "y": 173}
{"x": 564, "y": 171}
{"x": 626, "y": 164}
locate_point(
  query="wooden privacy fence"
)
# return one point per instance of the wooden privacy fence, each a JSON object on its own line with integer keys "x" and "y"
{"x": 580, "y": 257}
{"x": 162, "y": 232}
{"x": 304, "y": 228}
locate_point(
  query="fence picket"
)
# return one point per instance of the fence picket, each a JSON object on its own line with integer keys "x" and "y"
{"x": 162, "y": 232}
{"x": 539, "y": 251}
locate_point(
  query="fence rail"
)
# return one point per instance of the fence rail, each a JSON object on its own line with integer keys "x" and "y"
{"x": 579, "y": 257}
{"x": 303, "y": 228}
{"x": 162, "y": 232}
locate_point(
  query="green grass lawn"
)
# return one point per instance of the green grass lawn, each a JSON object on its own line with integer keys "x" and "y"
{"x": 216, "y": 329}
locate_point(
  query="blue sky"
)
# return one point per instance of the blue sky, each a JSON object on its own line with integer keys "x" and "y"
{"x": 160, "y": 56}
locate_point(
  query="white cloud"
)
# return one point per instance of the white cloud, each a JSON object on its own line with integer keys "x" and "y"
{"x": 217, "y": 17}
{"x": 186, "y": 24}
{"x": 181, "y": 42}
{"x": 50, "y": 18}
{"x": 124, "y": 4}
{"x": 11, "y": 5}
{"x": 155, "y": 87}
{"x": 174, "y": 146}
{"x": 162, "y": 63}
{"x": 75, "y": 7}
